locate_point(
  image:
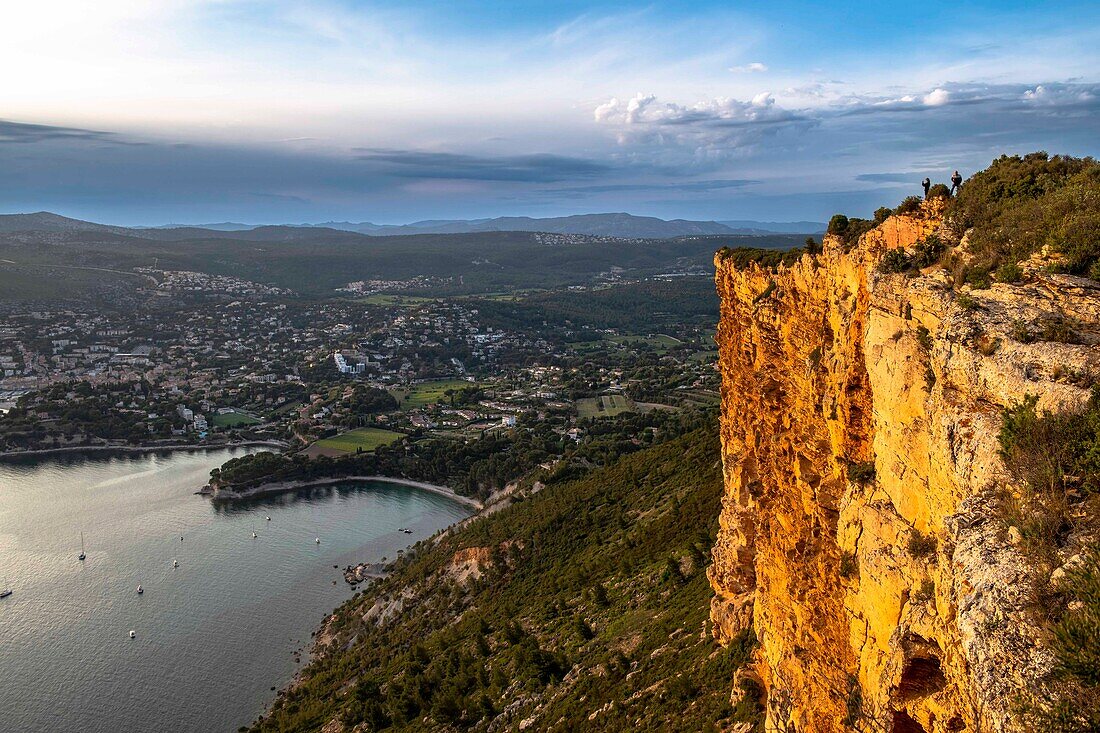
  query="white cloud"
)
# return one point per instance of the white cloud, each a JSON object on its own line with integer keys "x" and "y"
{"x": 937, "y": 97}
{"x": 763, "y": 99}
{"x": 755, "y": 67}
{"x": 1062, "y": 94}
{"x": 711, "y": 129}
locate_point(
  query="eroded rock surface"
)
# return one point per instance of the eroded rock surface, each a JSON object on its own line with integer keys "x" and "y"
{"x": 860, "y": 529}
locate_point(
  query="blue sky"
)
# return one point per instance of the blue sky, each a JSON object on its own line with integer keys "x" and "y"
{"x": 185, "y": 111}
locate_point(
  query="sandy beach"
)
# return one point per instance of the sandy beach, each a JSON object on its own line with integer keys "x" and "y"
{"x": 281, "y": 486}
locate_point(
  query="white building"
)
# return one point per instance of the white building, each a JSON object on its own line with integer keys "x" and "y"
{"x": 344, "y": 367}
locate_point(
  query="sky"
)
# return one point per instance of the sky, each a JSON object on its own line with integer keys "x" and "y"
{"x": 149, "y": 112}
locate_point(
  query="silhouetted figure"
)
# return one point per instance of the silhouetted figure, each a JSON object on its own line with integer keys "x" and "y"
{"x": 927, "y": 183}
{"x": 956, "y": 181}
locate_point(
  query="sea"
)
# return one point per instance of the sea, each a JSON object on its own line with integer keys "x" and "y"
{"x": 215, "y": 636}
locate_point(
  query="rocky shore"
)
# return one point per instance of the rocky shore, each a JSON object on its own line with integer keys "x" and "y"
{"x": 364, "y": 571}
{"x": 168, "y": 447}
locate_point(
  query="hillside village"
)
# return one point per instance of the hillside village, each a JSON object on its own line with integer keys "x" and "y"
{"x": 209, "y": 360}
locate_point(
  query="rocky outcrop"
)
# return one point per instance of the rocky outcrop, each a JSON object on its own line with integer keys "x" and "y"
{"x": 860, "y": 534}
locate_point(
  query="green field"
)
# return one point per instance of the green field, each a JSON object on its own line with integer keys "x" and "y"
{"x": 606, "y": 405}
{"x": 700, "y": 397}
{"x": 418, "y": 395}
{"x": 406, "y": 301}
{"x": 659, "y": 340}
{"x": 366, "y": 438}
{"x": 233, "y": 420}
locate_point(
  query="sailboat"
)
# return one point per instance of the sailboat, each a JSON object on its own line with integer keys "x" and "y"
{"x": 82, "y": 555}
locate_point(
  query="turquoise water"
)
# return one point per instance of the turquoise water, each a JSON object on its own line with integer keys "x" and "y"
{"x": 213, "y": 635}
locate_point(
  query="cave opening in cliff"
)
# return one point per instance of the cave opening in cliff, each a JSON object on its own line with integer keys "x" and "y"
{"x": 921, "y": 677}
{"x": 904, "y": 723}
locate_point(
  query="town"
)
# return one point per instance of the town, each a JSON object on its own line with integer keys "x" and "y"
{"x": 209, "y": 360}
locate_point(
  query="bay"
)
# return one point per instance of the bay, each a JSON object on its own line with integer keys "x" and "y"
{"x": 213, "y": 635}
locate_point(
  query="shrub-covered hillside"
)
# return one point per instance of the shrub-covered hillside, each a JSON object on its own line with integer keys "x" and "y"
{"x": 583, "y": 607}
{"x": 1012, "y": 209}
{"x": 1019, "y": 204}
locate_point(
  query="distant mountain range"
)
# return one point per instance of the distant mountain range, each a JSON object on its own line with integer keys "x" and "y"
{"x": 625, "y": 226}
{"x": 44, "y": 221}
{"x": 601, "y": 225}
{"x": 618, "y": 225}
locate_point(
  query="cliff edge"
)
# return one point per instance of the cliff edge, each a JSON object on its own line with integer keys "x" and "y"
{"x": 863, "y": 533}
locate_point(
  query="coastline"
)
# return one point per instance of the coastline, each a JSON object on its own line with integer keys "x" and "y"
{"x": 283, "y": 486}
{"x": 81, "y": 449}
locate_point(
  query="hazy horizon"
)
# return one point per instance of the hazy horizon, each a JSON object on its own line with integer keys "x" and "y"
{"x": 227, "y": 222}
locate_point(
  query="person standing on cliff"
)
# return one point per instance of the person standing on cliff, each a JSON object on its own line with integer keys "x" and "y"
{"x": 926, "y": 183}
{"x": 956, "y": 181}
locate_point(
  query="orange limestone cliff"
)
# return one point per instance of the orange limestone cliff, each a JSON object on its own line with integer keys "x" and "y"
{"x": 860, "y": 536}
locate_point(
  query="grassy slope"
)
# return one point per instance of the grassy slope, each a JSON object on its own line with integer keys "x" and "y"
{"x": 604, "y": 406}
{"x": 428, "y": 393}
{"x": 366, "y": 438}
{"x": 232, "y": 420}
{"x": 586, "y": 626}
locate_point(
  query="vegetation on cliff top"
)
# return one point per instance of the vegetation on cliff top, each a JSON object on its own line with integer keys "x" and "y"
{"x": 591, "y": 615}
{"x": 741, "y": 257}
{"x": 1056, "y": 456}
{"x": 1012, "y": 209}
{"x": 1019, "y": 204}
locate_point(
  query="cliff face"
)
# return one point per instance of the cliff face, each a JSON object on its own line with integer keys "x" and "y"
{"x": 892, "y": 599}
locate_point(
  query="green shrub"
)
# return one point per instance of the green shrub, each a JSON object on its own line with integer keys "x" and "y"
{"x": 978, "y": 278}
{"x": 854, "y": 704}
{"x": 849, "y": 566}
{"x": 928, "y": 251}
{"x": 966, "y": 302}
{"x": 939, "y": 191}
{"x": 838, "y": 224}
{"x": 924, "y": 338}
{"x": 1077, "y": 635}
{"x": 1009, "y": 272}
{"x": 921, "y": 545}
{"x": 861, "y": 473}
{"x": 882, "y": 214}
{"x": 1044, "y": 449}
{"x": 1059, "y": 330}
{"x": 909, "y": 205}
{"x": 1018, "y": 204}
{"x": 1073, "y": 702}
{"x": 741, "y": 257}
{"x": 895, "y": 261}
{"x": 857, "y": 228}
{"x": 1021, "y": 332}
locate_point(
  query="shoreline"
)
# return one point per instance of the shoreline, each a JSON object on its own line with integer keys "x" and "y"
{"x": 79, "y": 449}
{"x": 284, "y": 486}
